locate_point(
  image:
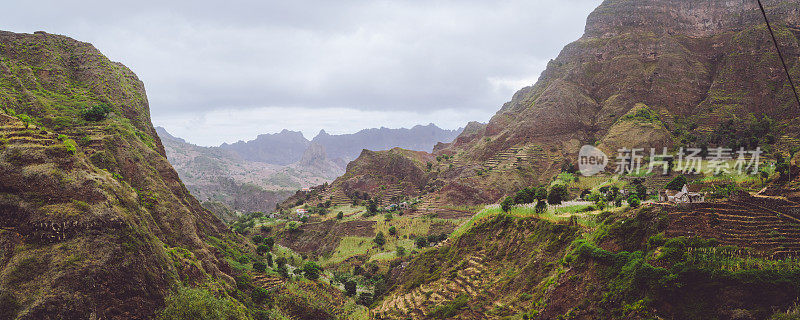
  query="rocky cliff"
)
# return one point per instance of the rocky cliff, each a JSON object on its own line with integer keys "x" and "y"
{"x": 92, "y": 215}
{"x": 655, "y": 73}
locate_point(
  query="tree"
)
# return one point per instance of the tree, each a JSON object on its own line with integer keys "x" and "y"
{"x": 507, "y": 203}
{"x": 262, "y": 249}
{"x": 676, "y": 184}
{"x": 259, "y": 266}
{"x": 558, "y": 193}
{"x": 541, "y": 193}
{"x": 269, "y": 260}
{"x": 526, "y": 195}
{"x": 311, "y": 270}
{"x": 281, "y": 262}
{"x": 340, "y": 215}
{"x": 641, "y": 191}
{"x": 634, "y": 201}
{"x": 269, "y": 242}
{"x": 392, "y": 231}
{"x": 541, "y": 206}
{"x": 350, "y": 288}
{"x": 96, "y": 112}
{"x": 380, "y": 240}
{"x": 421, "y": 242}
{"x": 259, "y": 295}
{"x": 618, "y": 201}
{"x": 600, "y": 204}
{"x": 257, "y": 239}
{"x": 372, "y": 206}
{"x": 401, "y": 251}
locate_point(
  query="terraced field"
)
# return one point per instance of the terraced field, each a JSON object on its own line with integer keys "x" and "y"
{"x": 766, "y": 225}
{"x": 420, "y": 302}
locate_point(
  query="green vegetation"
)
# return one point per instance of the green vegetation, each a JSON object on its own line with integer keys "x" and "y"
{"x": 677, "y": 183}
{"x": 449, "y": 309}
{"x": 96, "y": 112}
{"x": 199, "y": 304}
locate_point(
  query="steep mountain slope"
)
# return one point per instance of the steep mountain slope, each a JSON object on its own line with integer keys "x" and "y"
{"x": 91, "y": 213}
{"x": 656, "y": 73}
{"x": 621, "y": 266}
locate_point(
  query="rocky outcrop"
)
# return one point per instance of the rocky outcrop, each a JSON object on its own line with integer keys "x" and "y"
{"x": 89, "y": 209}
{"x": 694, "y": 64}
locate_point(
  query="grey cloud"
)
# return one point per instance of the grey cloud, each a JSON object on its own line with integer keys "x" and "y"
{"x": 422, "y": 56}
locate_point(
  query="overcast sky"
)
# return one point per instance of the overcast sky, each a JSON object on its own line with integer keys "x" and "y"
{"x": 223, "y": 71}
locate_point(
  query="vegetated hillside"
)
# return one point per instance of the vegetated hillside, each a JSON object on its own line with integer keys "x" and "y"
{"x": 620, "y": 264}
{"x": 91, "y": 211}
{"x": 656, "y": 73}
{"x": 95, "y": 223}
{"x": 385, "y": 176}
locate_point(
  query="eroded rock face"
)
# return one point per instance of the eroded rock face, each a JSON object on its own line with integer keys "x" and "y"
{"x": 694, "y": 64}
{"x": 89, "y": 210}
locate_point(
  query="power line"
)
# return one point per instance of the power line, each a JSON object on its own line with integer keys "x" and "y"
{"x": 780, "y": 55}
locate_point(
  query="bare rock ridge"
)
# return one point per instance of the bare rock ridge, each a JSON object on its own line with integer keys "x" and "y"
{"x": 646, "y": 73}
{"x": 91, "y": 212}
{"x": 288, "y": 147}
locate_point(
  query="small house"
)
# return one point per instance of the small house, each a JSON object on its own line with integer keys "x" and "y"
{"x": 687, "y": 194}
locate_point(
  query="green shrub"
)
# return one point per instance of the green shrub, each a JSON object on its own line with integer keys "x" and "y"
{"x": 421, "y": 242}
{"x": 558, "y": 193}
{"x": 96, "y": 113}
{"x": 507, "y": 203}
{"x": 260, "y": 295}
{"x": 380, "y": 240}
{"x": 269, "y": 242}
{"x": 392, "y": 231}
{"x": 350, "y": 288}
{"x": 199, "y": 304}
{"x": 292, "y": 226}
{"x": 634, "y": 201}
{"x": 449, "y": 309}
{"x": 311, "y": 270}
{"x": 259, "y": 266}
{"x": 677, "y": 183}
{"x": 70, "y": 146}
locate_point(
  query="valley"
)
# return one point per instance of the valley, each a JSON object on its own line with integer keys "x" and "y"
{"x": 104, "y": 216}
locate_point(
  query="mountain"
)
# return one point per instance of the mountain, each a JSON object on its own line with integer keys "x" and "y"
{"x": 281, "y": 148}
{"x": 222, "y": 178}
{"x": 288, "y": 147}
{"x": 94, "y": 222}
{"x": 255, "y": 175}
{"x": 653, "y": 74}
{"x": 349, "y": 146}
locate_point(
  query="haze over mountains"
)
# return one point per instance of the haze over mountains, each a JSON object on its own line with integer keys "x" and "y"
{"x": 255, "y": 175}
{"x": 288, "y": 146}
